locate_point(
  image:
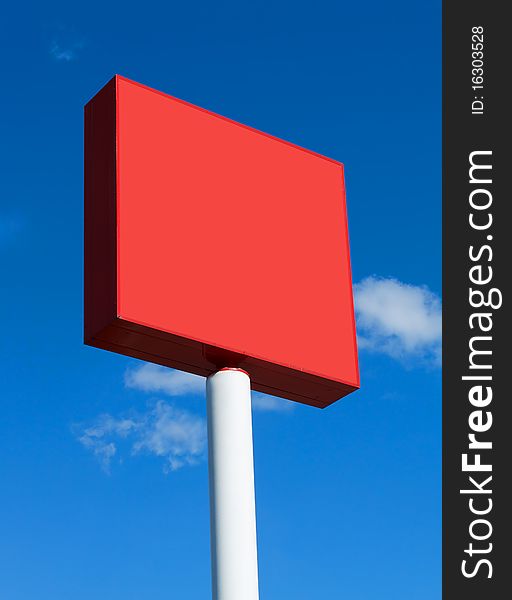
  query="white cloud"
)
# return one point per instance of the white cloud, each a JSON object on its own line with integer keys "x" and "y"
{"x": 149, "y": 377}
{"x": 266, "y": 403}
{"x": 154, "y": 378}
{"x": 62, "y": 54}
{"x": 66, "y": 44}
{"x": 398, "y": 319}
{"x": 177, "y": 436}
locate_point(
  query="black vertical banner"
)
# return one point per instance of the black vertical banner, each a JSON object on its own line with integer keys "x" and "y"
{"x": 477, "y": 332}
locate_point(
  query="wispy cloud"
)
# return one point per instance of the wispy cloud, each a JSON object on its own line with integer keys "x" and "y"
{"x": 60, "y": 53}
{"x": 177, "y": 436}
{"x": 398, "y": 319}
{"x": 148, "y": 377}
{"x": 66, "y": 44}
{"x": 154, "y": 378}
{"x": 265, "y": 403}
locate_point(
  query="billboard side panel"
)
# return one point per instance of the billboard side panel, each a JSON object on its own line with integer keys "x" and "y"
{"x": 100, "y": 278}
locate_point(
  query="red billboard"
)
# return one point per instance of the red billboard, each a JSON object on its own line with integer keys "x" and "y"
{"x": 210, "y": 244}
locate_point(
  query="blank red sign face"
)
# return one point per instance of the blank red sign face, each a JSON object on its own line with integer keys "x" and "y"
{"x": 210, "y": 244}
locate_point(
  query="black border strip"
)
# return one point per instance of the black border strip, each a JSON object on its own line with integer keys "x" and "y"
{"x": 476, "y": 522}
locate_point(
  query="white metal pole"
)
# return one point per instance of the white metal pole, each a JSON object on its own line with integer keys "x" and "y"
{"x": 231, "y": 475}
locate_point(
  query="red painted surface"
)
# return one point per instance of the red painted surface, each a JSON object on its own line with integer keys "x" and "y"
{"x": 210, "y": 244}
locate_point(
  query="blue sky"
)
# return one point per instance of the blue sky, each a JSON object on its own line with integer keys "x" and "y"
{"x": 103, "y": 489}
